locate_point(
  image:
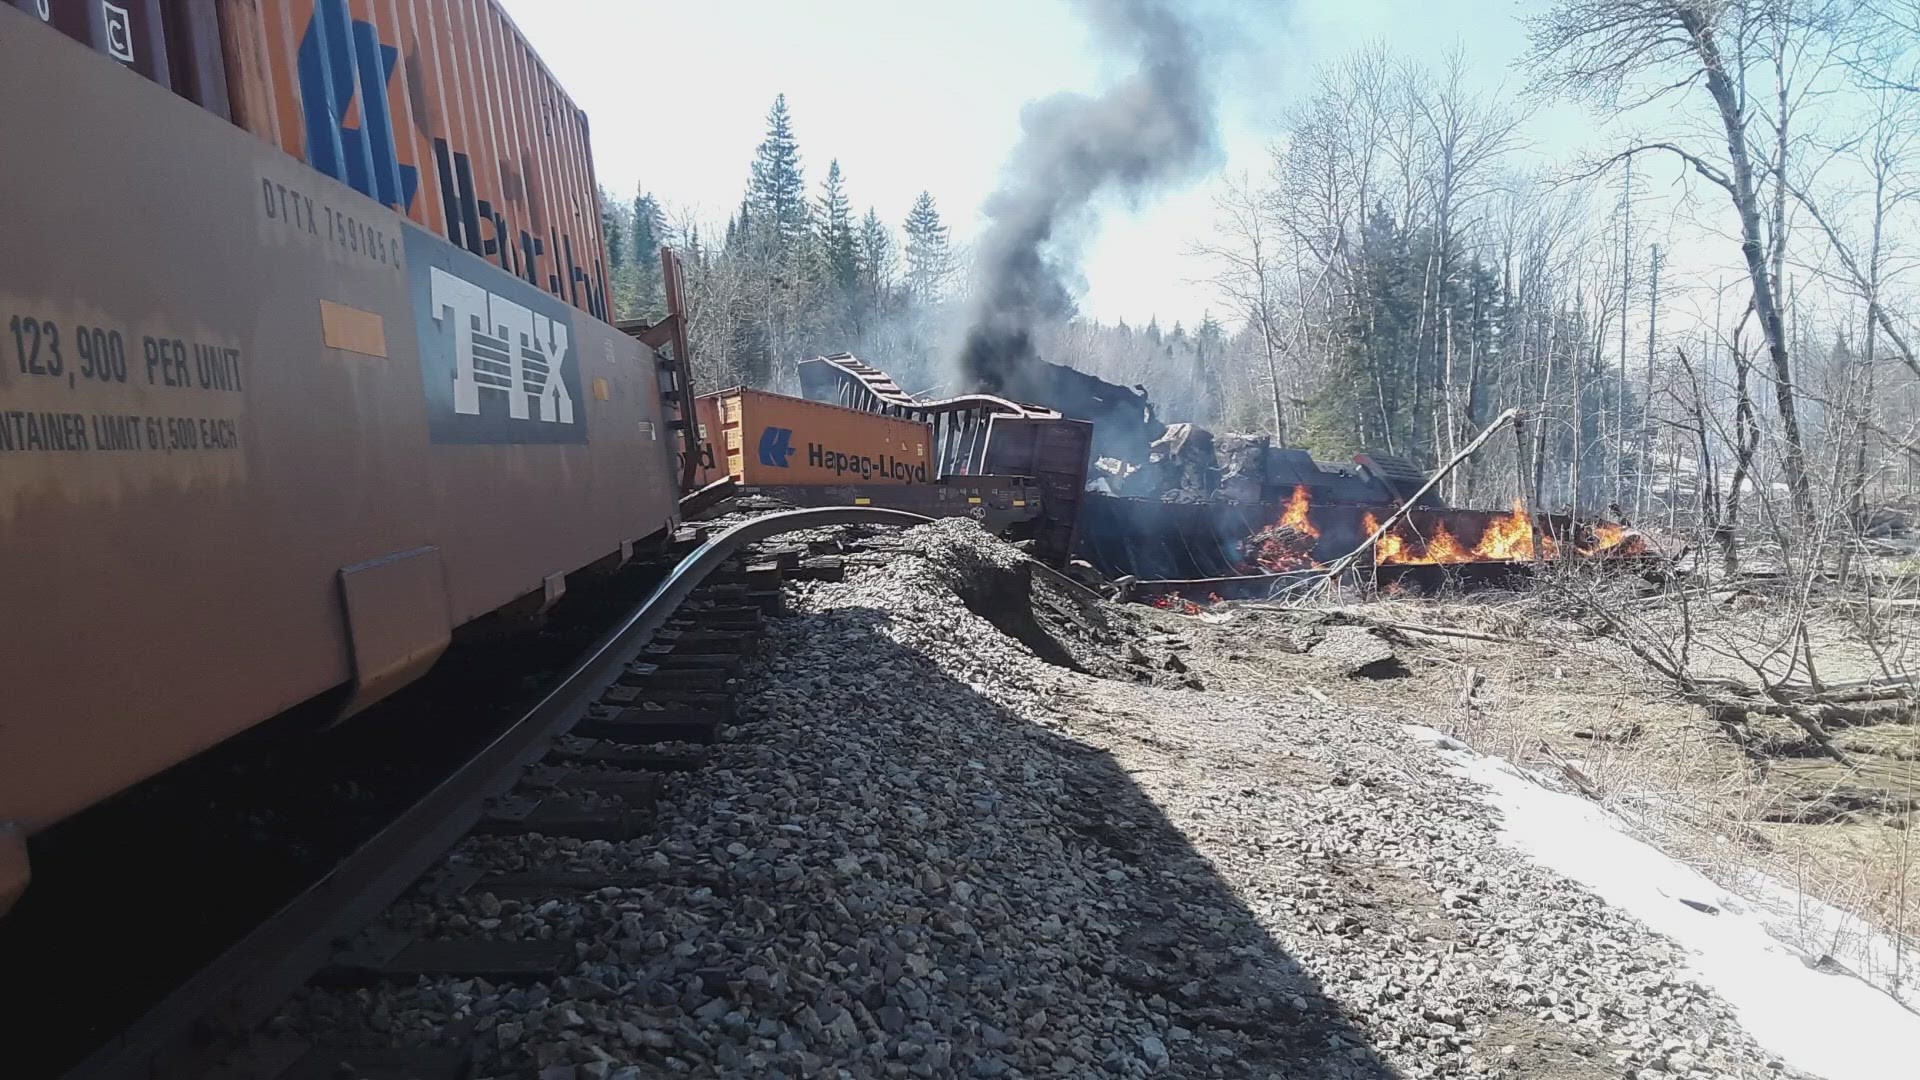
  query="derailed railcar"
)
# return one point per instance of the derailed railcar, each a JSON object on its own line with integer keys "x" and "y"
{"x": 763, "y": 439}
{"x": 270, "y": 433}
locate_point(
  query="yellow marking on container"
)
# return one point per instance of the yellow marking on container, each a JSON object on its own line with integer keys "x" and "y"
{"x": 601, "y": 391}
{"x": 973, "y": 500}
{"x": 862, "y": 500}
{"x": 353, "y": 330}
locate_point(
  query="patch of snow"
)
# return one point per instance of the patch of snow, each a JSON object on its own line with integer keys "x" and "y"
{"x": 1833, "y": 1025}
{"x": 1793, "y": 916}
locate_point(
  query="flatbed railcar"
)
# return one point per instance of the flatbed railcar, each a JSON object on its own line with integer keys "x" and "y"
{"x": 305, "y": 364}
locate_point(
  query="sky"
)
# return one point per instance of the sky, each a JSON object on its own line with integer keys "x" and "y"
{"x": 913, "y": 96}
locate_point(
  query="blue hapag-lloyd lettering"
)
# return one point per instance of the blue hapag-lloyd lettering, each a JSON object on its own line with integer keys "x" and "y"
{"x": 886, "y": 465}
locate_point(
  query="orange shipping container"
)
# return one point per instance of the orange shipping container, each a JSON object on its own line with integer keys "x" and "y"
{"x": 436, "y": 108}
{"x": 768, "y": 440}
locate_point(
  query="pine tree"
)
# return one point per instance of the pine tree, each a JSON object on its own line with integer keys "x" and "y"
{"x": 1209, "y": 336}
{"x": 740, "y": 227}
{"x": 649, "y": 227}
{"x": 649, "y": 232}
{"x": 616, "y": 249}
{"x": 777, "y": 191}
{"x": 620, "y": 272}
{"x": 838, "y": 246}
{"x": 1209, "y": 349}
{"x": 929, "y": 260}
{"x": 876, "y": 256}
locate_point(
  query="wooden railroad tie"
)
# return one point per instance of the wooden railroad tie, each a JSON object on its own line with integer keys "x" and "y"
{"x": 644, "y": 727}
{"x": 384, "y": 956}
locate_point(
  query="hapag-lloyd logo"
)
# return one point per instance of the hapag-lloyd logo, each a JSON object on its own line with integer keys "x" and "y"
{"x": 777, "y": 450}
{"x": 497, "y": 355}
{"x": 776, "y": 446}
{"x": 866, "y": 466}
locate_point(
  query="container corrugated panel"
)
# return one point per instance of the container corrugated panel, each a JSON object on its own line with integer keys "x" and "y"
{"x": 438, "y": 109}
{"x": 129, "y": 32}
{"x": 1056, "y": 453}
{"x": 769, "y": 440}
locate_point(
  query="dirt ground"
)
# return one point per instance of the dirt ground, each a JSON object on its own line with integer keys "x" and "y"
{"x": 1558, "y": 696}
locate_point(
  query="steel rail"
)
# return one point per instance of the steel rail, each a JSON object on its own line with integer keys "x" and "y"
{"x": 245, "y": 984}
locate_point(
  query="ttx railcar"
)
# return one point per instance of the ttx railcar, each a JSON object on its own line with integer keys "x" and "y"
{"x": 305, "y": 361}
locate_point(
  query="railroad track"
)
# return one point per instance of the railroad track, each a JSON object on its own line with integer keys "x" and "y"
{"x": 578, "y": 764}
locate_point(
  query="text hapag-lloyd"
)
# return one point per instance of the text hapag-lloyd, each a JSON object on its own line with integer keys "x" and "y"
{"x": 885, "y": 465}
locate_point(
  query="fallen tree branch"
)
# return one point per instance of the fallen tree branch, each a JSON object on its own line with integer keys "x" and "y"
{"x": 1440, "y": 631}
{"x": 1891, "y": 688}
{"x": 1454, "y": 632}
{"x": 1807, "y": 719}
{"x": 1572, "y": 772}
{"x": 1699, "y": 690}
{"x": 1351, "y": 617}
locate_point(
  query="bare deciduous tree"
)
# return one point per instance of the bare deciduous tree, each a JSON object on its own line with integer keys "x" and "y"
{"x": 1628, "y": 53}
{"x": 1244, "y": 249}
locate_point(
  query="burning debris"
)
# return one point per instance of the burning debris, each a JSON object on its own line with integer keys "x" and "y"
{"x": 1177, "y": 509}
{"x": 1177, "y": 603}
{"x": 1508, "y": 538}
{"x": 1289, "y": 543}
{"x": 1194, "y": 505}
{"x": 1292, "y": 541}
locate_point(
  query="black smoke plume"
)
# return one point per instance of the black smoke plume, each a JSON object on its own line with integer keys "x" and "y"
{"x": 1154, "y": 128}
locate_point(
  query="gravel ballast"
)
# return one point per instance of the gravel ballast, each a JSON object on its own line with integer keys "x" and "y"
{"x": 925, "y": 851}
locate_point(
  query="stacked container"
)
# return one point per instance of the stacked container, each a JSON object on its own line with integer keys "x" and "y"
{"x": 436, "y": 108}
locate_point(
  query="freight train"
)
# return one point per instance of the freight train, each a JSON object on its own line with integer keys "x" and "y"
{"x": 308, "y": 363}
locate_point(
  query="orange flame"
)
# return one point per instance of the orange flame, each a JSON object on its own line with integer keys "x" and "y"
{"x": 1288, "y": 543}
{"x": 1617, "y": 540}
{"x": 1396, "y": 547}
{"x": 1443, "y": 547}
{"x": 1510, "y": 538}
{"x": 1176, "y": 602}
{"x": 1391, "y": 548}
{"x": 1295, "y": 517}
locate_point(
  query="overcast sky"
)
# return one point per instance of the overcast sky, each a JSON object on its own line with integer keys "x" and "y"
{"x": 911, "y": 96}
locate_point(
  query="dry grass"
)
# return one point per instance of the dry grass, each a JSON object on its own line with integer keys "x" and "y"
{"x": 1577, "y": 705}
{"x": 1841, "y": 834}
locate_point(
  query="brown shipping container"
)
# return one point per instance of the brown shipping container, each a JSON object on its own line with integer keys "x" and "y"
{"x": 1056, "y": 453}
{"x": 438, "y": 109}
{"x": 769, "y": 440}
